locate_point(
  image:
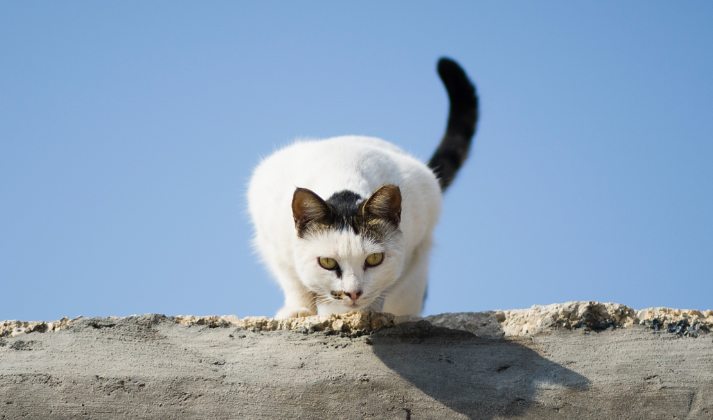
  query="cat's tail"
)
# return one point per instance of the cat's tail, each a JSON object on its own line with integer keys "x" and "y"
{"x": 462, "y": 118}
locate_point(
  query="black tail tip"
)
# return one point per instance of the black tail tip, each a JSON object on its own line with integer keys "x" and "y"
{"x": 447, "y": 65}
{"x": 456, "y": 80}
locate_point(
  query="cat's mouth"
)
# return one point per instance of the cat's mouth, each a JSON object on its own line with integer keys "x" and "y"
{"x": 351, "y": 304}
{"x": 359, "y": 305}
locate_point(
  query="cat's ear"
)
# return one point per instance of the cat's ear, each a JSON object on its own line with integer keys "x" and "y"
{"x": 384, "y": 204}
{"x": 309, "y": 210}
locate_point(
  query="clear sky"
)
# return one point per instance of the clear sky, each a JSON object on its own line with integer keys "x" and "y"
{"x": 128, "y": 132}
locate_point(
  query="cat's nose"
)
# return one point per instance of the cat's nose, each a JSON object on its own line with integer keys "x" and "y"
{"x": 354, "y": 295}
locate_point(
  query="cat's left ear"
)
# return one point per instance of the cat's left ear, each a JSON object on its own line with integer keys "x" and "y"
{"x": 308, "y": 209}
{"x": 385, "y": 204}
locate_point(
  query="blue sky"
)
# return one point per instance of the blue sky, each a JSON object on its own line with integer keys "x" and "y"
{"x": 128, "y": 132}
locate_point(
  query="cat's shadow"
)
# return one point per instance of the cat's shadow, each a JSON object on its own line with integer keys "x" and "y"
{"x": 479, "y": 377}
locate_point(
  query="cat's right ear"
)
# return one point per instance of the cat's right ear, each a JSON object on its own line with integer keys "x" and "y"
{"x": 309, "y": 211}
{"x": 384, "y": 204}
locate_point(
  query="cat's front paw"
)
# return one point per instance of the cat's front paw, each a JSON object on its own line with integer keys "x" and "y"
{"x": 290, "y": 312}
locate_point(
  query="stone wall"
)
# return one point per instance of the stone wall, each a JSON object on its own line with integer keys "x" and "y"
{"x": 578, "y": 360}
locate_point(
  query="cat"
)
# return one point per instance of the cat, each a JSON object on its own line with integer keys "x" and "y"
{"x": 345, "y": 224}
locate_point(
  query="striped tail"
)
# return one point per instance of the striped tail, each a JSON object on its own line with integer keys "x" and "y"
{"x": 462, "y": 119}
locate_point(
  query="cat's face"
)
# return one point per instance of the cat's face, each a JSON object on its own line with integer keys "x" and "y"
{"x": 347, "y": 270}
{"x": 349, "y": 251}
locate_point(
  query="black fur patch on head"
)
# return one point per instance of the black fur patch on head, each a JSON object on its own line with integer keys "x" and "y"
{"x": 374, "y": 218}
{"x": 346, "y": 204}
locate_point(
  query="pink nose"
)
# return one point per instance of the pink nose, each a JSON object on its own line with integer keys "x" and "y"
{"x": 354, "y": 295}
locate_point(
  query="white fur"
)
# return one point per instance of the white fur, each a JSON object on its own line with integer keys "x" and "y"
{"x": 361, "y": 165}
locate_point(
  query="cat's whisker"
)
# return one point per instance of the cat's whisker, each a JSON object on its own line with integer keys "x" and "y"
{"x": 325, "y": 300}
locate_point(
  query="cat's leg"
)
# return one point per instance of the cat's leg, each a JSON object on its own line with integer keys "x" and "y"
{"x": 408, "y": 294}
{"x": 299, "y": 301}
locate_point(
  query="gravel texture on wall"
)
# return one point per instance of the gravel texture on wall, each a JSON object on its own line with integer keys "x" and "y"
{"x": 511, "y": 323}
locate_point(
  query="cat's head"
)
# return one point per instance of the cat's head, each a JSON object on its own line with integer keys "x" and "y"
{"x": 349, "y": 249}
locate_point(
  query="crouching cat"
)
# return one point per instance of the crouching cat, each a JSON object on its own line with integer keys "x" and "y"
{"x": 345, "y": 224}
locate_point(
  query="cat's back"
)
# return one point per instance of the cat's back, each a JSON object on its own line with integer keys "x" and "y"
{"x": 354, "y": 163}
{"x": 360, "y": 164}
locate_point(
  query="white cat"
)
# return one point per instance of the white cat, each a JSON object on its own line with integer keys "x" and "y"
{"x": 345, "y": 223}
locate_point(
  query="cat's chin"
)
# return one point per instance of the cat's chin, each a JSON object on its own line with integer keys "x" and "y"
{"x": 340, "y": 308}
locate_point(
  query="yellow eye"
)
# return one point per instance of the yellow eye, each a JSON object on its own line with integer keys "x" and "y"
{"x": 374, "y": 259}
{"x": 327, "y": 263}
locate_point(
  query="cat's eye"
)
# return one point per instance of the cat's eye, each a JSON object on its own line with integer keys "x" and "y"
{"x": 328, "y": 263}
{"x": 374, "y": 259}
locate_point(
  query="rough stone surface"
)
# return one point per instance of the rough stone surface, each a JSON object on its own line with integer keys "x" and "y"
{"x": 686, "y": 322}
{"x": 353, "y": 323}
{"x": 523, "y": 322}
{"x": 578, "y": 360}
{"x": 14, "y": 328}
{"x": 589, "y": 315}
